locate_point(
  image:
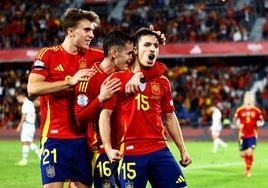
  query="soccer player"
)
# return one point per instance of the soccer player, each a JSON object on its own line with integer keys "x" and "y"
{"x": 137, "y": 120}
{"x": 89, "y": 96}
{"x": 56, "y": 70}
{"x": 248, "y": 117}
{"x": 215, "y": 128}
{"x": 26, "y": 127}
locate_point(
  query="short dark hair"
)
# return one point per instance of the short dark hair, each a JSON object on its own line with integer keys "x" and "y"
{"x": 145, "y": 31}
{"x": 116, "y": 38}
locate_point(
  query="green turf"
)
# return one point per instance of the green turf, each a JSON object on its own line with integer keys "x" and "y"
{"x": 223, "y": 169}
{"x": 17, "y": 176}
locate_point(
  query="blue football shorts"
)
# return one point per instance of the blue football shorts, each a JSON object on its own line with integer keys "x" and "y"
{"x": 245, "y": 143}
{"x": 64, "y": 160}
{"x": 159, "y": 167}
{"x": 105, "y": 173}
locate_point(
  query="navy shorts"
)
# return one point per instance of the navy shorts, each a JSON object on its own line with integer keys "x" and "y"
{"x": 105, "y": 173}
{"x": 64, "y": 160}
{"x": 160, "y": 168}
{"x": 245, "y": 143}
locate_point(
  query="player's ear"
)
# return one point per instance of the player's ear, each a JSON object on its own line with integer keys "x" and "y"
{"x": 70, "y": 32}
{"x": 113, "y": 52}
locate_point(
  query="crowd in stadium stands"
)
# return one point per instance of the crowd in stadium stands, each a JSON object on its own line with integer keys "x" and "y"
{"x": 195, "y": 88}
{"x": 11, "y": 82}
{"x": 29, "y": 23}
{"x": 182, "y": 22}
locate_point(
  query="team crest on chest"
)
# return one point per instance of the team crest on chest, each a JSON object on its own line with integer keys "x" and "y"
{"x": 82, "y": 64}
{"x": 155, "y": 87}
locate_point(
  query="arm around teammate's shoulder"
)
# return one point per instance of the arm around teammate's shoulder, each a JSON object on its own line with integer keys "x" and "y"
{"x": 37, "y": 85}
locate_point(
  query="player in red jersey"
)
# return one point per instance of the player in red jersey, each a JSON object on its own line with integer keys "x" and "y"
{"x": 89, "y": 96}
{"x": 248, "y": 117}
{"x": 118, "y": 51}
{"x": 56, "y": 70}
{"x": 144, "y": 153}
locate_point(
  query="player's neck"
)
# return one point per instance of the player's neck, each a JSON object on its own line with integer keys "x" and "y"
{"x": 71, "y": 49}
{"x": 247, "y": 106}
{"x": 107, "y": 66}
{"x": 136, "y": 67}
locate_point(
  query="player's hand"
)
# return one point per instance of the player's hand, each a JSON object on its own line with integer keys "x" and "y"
{"x": 160, "y": 34}
{"x": 240, "y": 125}
{"x": 82, "y": 75}
{"x": 114, "y": 155}
{"x": 108, "y": 88}
{"x": 185, "y": 160}
{"x": 132, "y": 85}
{"x": 260, "y": 123}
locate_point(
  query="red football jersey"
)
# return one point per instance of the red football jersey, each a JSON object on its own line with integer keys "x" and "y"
{"x": 138, "y": 117}
{"x": 248, "y": 117}
{"x": 55, "y": 64}
{"x": 87, "y": 106}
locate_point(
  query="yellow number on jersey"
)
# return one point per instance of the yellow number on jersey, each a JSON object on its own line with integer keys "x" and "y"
{"x": 142, "y": 102}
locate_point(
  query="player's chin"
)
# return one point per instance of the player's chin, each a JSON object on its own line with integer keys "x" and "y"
{"x": 149, "y": 65}
{"x": 127, "y": 66}
{"x": 86, "y": 44}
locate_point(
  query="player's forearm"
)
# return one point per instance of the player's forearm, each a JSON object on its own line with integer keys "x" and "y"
{"x": 23, "y": 118}
{"x": 175, "y": 132}
{"x": 177, "y": 137}
{"x": 105, "y": 130}
{"x": 20, "y": 125}
{"x": 88, "y": 113}
{"x": 37, "y": 88}
{"x": 157, "y": 70}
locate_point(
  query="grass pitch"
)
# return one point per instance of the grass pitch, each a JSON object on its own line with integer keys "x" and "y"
{"x": 223, "y": 169}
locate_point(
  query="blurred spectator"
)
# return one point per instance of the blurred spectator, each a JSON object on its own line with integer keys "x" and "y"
{"x": 237, "y": 36}
{"x": 265, "y": 29}
{"x": 13, "y": 81}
